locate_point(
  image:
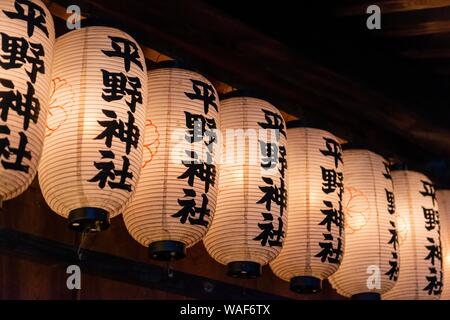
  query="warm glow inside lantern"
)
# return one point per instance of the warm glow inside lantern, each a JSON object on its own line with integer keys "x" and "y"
{"x": 443, "y": 198}
{"x": 93, "y": 147}
{"x": 27, "y": 40}
{"x": 176, "y": 195}
{"x": 370, "y": 266}
{"x": 251, "y": 218}
{"x": 420, "y": 276}
{"x": 315, "y": 240}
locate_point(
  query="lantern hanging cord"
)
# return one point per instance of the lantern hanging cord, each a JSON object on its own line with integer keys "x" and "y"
{"x": 84, "y": 239}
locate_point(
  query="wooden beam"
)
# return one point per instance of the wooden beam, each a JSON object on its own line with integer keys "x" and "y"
{"x": 44, "y": 251}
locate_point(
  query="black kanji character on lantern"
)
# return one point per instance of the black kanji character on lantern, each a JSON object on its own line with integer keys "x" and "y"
{"x": 387, "y": 173}
{"x": 203, "y": 92}
{"x": 269, "y": 154}
{"x": 205, "y": 171}
{"x": 189, "y": 211}
{"x": 434, "y": 284}
{"x": 390, "y": 201}
{"x": 20, "y": 152}
{"x": 428, "y": 190}
{"x": 4, "y": 142}
{"x": 434, "y": 251}
{"x": 329, "y": 253}
{"x": 268, "y": 233}
{"x": 108, "y": 173}
{"x": 394, "y": 235}
{"x": 117, "y": 85}
{"x": 393, "y": 271}
{"x": 333, "y": 149}
{"x": 282, "y": 160}
{"x": 273, "y": 121}
{"x": 332, "y": 216}
{"x": 27, "y": 105}
{"x": 430, "y": 218}
{"x": 34, "y": 15}
{"x": 273, "y": 193}
{"x": 126, "y": 49}
{"x": 16, "y": 55}
{"x": 125, "y": 132}
{"x": 331, "y": 180}
{"x": 124, "y": 174}
{"x": 199, "y": 128}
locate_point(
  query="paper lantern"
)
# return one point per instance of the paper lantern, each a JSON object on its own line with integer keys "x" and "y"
{"x": 93, "y": 147}
{"x": 420, "y": 276}
{"x": 251, "y": 217}
{"x": 27, "y": 38}
{"x": 176, "y": 195}
{"x": 315, "y": 241}
{"x": 370, "y": 266}
{"x": 443, "y": 198}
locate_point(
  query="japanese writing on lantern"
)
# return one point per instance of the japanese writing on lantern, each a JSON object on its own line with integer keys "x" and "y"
{"x": 22, "y": 54}
{"x": 274, "y": 193}
{"x": 118, "y": 86}
{"x": 393, "y": 270}
{"x": 199, "y": 130}
{"x": 433, "y": 244}
{"x": 331, "y": 248}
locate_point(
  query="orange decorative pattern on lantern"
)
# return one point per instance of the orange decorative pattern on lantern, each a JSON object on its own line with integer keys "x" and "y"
{"x": 357, "y": 215}
{"x": 151, "y": 142}
{"x": 56, "y": 109}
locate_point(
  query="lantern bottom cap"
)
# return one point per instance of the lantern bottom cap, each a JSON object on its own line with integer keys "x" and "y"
{"x": 88, "y": 219}
{"x": 366, "y": 296}
{"x": 306, "y": 285}
{"x": 166, "y": 250}
{"x": 244, "y": 269}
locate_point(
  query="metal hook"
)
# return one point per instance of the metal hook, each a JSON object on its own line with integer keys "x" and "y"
{"x": 169, "y": 270}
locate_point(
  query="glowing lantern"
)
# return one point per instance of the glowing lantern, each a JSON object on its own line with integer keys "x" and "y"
{"x": 315, "y": 241}
{"x": 93, "y": 149}
{"x": 176, "y": 195}
{"x": 443, "y": 198}
{"x": 370, "y": 266}
{"x": 27, "y": 40}
{"x": 420, "y": 276}
{"x": 251, "y": 217}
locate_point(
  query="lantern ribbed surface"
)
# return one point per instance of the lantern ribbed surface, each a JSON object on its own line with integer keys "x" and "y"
{"x": 370, "y": 264}
{"x": 313, "y": 247}
{"x": 175, "y": 199}
{"x": 420, "y": 276}
{"x": 443, "y": 198}
{"x": 248, "y": 227}
{"x": 26, "y": 55}
{"x": 94, "y": 142}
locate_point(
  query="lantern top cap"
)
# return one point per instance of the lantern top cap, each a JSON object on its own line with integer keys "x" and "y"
{"x": 86, "y": 29}
{"x": 307, "y": 124}
{"x": 244, "y": 94}
{"x": 176, "y": 64}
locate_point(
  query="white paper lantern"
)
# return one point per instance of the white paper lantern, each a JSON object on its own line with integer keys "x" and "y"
{"x": 27, "y": 39}
{"x": 93, "y": 149}
{"x": 176, "y": 194}
{"x": 420, "y": 276}
{"x": 251, "y": 217}
{"x": 370, "y": 266}
{"x": 443, "y": 198}
{"x": 315, "y": 241}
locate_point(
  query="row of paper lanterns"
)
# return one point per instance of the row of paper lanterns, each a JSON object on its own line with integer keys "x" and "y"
{"x": 108, "y": 137}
